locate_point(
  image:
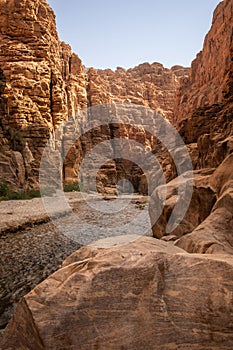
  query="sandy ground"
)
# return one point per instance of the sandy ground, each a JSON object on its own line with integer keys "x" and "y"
{"x": 32, "y": 246}
{"x": 19, "y": 214}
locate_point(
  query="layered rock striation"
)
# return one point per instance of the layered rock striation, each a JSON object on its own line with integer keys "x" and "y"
{"x": 43, "y": 83}
{"x": 42, "y": 79}
{"x": 150, "y": 85}
{"x": 128, "y": 292}
{"x": 210, "y": 80}
{"x": 204, "y": 110}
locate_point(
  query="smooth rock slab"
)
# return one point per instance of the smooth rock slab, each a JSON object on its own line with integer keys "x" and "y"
{"x": 136, "y": 293}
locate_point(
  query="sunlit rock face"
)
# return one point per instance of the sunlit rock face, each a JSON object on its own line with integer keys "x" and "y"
{"x": 210, "y": 80}
{"x": 43, "y": 83}
{"x": 35, "y": 96}
{"x": 150, "y": 85}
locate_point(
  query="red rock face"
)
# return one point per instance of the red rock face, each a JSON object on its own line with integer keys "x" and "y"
{"x": 150, "y": 85}
{"x": 106, "y": 294}
{"x": 204, "y": 104}
{"x": 34, "y": 94}
{"x": 204, "y": 110}
{"x": 43, "y": 82}
{"x": 210, "y": 80}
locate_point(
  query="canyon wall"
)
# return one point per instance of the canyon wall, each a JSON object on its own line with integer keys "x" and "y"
{"x": 210, "y": 80}
{"x": 150, "y": 85}
{"x": 36, "y": 95}
{"x": 179, "y": 296}
{"x": 203, "y": 106}
{"x": 43, "y": 83}
{"x": 204, "y": 114}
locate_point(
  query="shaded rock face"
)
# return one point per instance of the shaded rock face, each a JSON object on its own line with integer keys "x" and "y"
{"x": 208, "y": 224}
{"x": 204, "y": 109}
{"x": 204, "y": 105}
{"x": 42, "y": 83}
{"x": 144, "y": 288}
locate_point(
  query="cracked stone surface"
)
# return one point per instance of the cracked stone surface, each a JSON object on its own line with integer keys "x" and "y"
{"x": 129, "y": 293}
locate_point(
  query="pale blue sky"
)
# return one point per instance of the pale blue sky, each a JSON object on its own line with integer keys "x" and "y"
{"x": 111, "y": 33}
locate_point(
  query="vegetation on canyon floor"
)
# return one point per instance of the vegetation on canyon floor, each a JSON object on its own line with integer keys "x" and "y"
{"x": 6, "y": 193}
{"x": 71, "y": 187}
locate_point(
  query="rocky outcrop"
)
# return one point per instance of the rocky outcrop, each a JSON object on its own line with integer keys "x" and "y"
{"x": 207, "y": 225}
{"x": 204, "y": 105}
{"x": 203, "y": 197}
{"x": 43, "y": 83}
{"x": 111, "y": 294}
{"x": 214, "y": 234}
{"x": 204, "y": 110}
{"x": 210, "y": 80}
{"x": 150, "y": 85}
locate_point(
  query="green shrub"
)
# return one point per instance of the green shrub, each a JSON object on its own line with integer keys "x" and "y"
{"x": 29, "y": 194}
{"x": 8, "y": 194}
{"x": 3, "y": 189}
{"x": 74, "y": 186}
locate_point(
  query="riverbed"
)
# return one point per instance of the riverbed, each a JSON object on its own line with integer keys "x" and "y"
{"x": 33, "y": 246}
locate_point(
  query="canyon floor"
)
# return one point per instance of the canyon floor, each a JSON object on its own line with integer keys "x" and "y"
{"x": 32, "y": 247}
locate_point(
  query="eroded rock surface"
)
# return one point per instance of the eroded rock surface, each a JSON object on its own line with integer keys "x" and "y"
{"x": 35, "y": 97}
{"x": 210, "y": 80}
{"x": 42, "y": 83}
{"x": 144, "y": 288}
{"x": 150, "y": 85}
{"x": 204, "y": 109}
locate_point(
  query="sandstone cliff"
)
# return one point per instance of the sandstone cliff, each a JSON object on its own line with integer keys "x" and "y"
{"x": 210, "y": 80}
{"x": 169, "y": 296}
{"x": 150, "y": 85}
{"x": 34, "y": 99}
{"x": 204, "y": 104}
{"x": 43, "y": 83}
{"x": 204, "y": 114}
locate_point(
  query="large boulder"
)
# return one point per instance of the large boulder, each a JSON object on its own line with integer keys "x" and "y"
{"x": 207, "y": 226}
{"x": 215, "y": 233}
{"x": 129, "y": 293}
{"x": 189, "y": 215}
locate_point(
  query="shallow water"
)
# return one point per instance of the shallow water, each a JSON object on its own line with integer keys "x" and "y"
{"x": 29, "y": 256}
